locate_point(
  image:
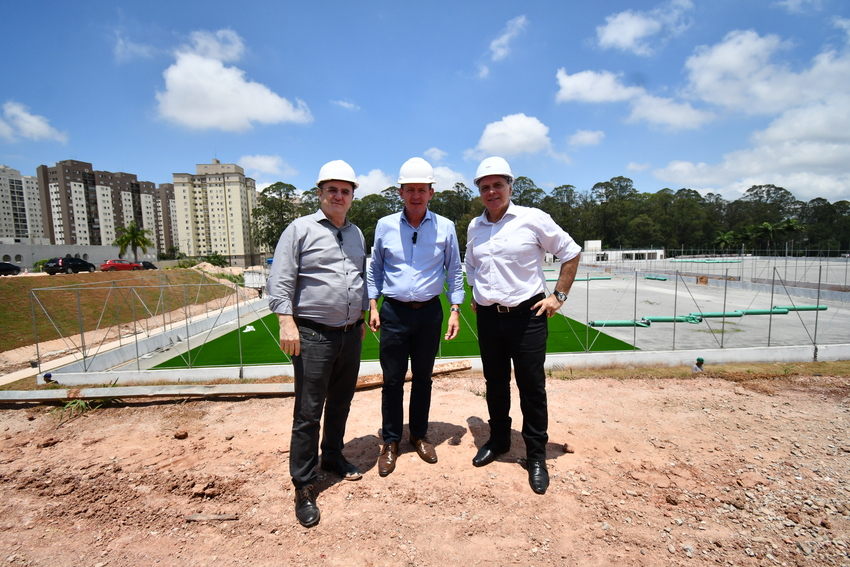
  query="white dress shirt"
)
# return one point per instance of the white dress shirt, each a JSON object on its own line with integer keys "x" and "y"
{"x": 504, "y": 260}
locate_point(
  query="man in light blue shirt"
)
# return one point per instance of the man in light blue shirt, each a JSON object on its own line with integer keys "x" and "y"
{"x": 415, "y": 254}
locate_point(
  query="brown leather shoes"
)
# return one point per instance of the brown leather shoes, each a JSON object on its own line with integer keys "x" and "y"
{"x": 424, "y": 449}
{"x": 386, "y": 462}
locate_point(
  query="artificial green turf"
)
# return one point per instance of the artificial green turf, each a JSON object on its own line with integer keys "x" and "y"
{"x": 261, "y": 346}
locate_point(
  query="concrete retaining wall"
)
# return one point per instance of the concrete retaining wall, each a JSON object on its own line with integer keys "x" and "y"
{"x": 554, "y": 362}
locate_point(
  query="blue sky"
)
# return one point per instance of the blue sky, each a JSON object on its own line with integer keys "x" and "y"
{"x": 714, "y": 95}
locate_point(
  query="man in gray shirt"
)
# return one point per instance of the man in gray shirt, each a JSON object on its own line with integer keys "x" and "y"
{"x": 317, "y": 288}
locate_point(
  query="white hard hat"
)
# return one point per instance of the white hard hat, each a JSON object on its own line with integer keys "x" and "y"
{"x": 416, "y": 170}
{"x": 338, "y": 170}
{"x": 493, "y": 166}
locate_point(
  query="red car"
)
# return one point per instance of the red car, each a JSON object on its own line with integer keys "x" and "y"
{"x": 112, "y": 265}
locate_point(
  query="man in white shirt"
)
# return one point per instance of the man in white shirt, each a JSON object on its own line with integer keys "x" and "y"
{"x": 504, "y": 266}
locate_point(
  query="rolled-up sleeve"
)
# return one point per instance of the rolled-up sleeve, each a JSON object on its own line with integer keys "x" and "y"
{"x": 555, "y": 239}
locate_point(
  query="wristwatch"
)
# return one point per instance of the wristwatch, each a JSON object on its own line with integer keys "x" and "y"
{"x": 560, "y": 295}
{"x": 455, "y": 309}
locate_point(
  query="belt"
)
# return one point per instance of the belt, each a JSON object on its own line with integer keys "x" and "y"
{"x": 324, "y": 328}
{"x": 412, "y": 304}
{"x": 525, "y": 305}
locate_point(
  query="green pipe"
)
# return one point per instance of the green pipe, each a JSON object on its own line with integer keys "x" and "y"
{"x": 659, "y": 278}
{"x": 594, "y": 278}
{"x": 677, "y": 319}
{"x": 801, "y": 307}
{"x": 718, "y": 314}
{"x": 774, "y": 311}
{"x": 619, "y": 323}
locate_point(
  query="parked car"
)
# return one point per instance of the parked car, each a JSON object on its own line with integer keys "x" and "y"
{"x": 112, "y": 265}
{"x": 7, "y": 269}
{"x": 68, "y": 266}
{"x": 148, "y": 265}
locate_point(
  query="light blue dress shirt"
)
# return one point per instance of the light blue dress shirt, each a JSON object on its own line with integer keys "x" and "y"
{"x": 414, "y": 264}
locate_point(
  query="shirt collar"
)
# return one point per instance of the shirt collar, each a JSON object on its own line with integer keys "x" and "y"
{"x": 511, "y": 210}
{"x": 319, "y": 216}
{"x": 428, "y": 216}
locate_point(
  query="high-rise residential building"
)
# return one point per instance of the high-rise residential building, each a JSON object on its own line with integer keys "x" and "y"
{"x": 86, "y": 207}
{"x": 214, "y": 212}
{"x": 21, "y": 219}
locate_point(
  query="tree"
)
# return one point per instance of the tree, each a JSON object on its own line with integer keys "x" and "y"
{"x": 526, "y": 193}
{"x": 133, "y": 237}
{"x": 309, "y": 202}
{"x": 453, "y": 203}
{"x": 275, "y": 209}
{"x": 724, "y": 240}
{"x": 393, "y": 198}
{"x": 366, "y": 212}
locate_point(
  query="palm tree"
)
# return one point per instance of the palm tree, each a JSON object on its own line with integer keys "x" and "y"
{"x": 724, "y": 239}
{"x": 132, "y": 237}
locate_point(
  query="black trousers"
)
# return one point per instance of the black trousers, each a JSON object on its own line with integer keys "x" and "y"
{"x": 413, "y": 333}
{"x": 325, "y": 379}
{"x": 518, "y": 336}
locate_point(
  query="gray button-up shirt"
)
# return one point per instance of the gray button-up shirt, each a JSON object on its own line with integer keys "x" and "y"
{"x": 319, "y": 272}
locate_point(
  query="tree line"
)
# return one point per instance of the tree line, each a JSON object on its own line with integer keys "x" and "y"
{"x": 765, "y": 219}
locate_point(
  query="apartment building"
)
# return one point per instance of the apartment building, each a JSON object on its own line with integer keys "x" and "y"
{"x": 85, "y": 207}
{"x": 21, "y": 219}
{"x": 214, "y": 212}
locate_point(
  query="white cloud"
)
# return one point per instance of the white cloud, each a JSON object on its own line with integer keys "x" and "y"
{"x": 435, "y": 154}
{"x": 806, "y": 146}
{"x": 587, "y": 138}
{"x": 374, "y": 182}
{"x": 223, "y": 45}
{"x": 669, "y": 113}
{"x": 592, "y": 86}
{"x": 804, "y": 150}
{"x": 799, "y": 6}
{"x": 501, "y": 46}
{"x": 268, "y": 165}
{"x": 202, "y": 93}
{"x": 6, "y": 132}
{"x": 631, "y": 30}
{"x": 604, "y": 86}
{"x": 483, "y": 71}
{"x": 126, "y": 50}
{"x": 446, "y": 178}
{"x": 346, "y": 105}
{"x": 19, "y": 123}
{"x": 512, "y": 135}
{"x": 633, "y": 166}
{"x": 737, "y": 73}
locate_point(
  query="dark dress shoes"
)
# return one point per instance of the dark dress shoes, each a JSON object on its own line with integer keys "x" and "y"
{"x": 424, "y": 449}
{"x": 488, "y": 453}
{"x": 342, "y": 468}
{"x": 386, "y": 462}
{"x": 538, "y": 476}
{"x": 305, "y": 506}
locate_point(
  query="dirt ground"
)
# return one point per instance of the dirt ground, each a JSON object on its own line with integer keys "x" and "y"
{"x": 657, "y": 472}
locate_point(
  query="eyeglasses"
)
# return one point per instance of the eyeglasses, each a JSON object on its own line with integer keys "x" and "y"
{"x": 414, "y": 237}
{"x": 339, "y": 236}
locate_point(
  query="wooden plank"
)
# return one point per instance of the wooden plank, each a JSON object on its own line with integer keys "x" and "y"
{"x": 189, "y": 390}
{"x": 210, "y": 517}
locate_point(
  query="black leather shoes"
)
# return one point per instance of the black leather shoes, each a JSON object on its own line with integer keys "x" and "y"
{"x": 343, "y": 468}
{"x": 487, "y": 454}
{"x": 538, "y": 476}
{"x": 305, "y": 506}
